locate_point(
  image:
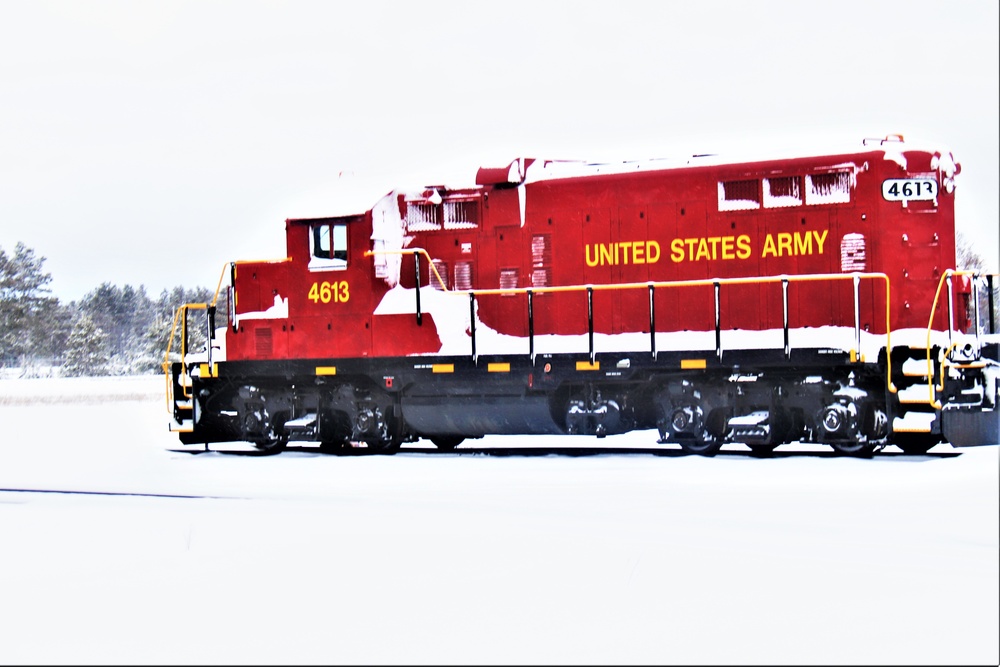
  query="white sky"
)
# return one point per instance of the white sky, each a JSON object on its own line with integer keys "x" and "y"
{"x": 150, "y": 143}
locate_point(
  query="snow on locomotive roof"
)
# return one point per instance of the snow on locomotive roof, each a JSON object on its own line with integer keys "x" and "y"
{"x": 355, "y": 197}
{"x": 892, "y": 147}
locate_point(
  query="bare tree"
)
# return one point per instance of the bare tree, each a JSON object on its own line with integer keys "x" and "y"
{"x": 970, "y": 260}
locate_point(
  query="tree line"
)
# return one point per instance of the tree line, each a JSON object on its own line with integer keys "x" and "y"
{"x": 112, "y": 330}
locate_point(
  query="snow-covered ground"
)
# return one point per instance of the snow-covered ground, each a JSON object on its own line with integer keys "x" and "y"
{"x": 119, "y": 547}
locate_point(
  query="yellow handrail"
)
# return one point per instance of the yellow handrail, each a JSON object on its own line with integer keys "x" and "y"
{"x": 183, "y": 308}
{"x": 931, "y": 388}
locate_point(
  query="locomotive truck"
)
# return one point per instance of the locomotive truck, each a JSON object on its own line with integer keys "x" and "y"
{"x": 811, "y": 298}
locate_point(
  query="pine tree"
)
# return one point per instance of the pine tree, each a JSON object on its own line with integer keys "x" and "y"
{"x": 158, "y": 334}
{"x": 87, "y": 349}
{"x": 24, "y": 304}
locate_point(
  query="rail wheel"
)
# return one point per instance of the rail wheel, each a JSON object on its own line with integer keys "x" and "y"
{"x": 854, "y": 448}
{"x": 706, "y": 446}
{"x": 334, "y": 446}
{"x": 389, "y": 433}
{"x": 915, "y": 443}
{"x": 274, "y": 445}
{"x": 447, "y": 442}
{"x": 274, "y": 439}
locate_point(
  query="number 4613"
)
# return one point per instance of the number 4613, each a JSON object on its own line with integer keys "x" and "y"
{"x": 325, "y": 292}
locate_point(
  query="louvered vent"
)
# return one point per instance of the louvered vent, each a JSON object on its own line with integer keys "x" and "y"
{"x": 263, "y": 341}
{"x": 442, "y": 272}
{"x": 463, "y": 276}
{"x": 508, "y": 278}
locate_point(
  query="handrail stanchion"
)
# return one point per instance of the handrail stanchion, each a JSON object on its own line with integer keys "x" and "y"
{"x": 184, "y": 331}
{"x": 951, "y": 306}
{"x": 975, "y": 310}
{"x": 416, "y": 271}
{"x": 992, "y": 310}
{"x": 857, "y": 313}
{"x": 784, "y": 315}
{"x": 210, "y": 317}
{"x": 590, "y": 321}
{"x": 531, "y": 326}
{"x": 718, "y": 320}
{"x": 652, "y": 322}
{"x": 472, "y": 324}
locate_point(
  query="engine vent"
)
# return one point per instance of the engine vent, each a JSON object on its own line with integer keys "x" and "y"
{"x": 263, "y": 341}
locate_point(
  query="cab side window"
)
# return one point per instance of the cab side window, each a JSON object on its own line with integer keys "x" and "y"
{"x": 328, "y": 247}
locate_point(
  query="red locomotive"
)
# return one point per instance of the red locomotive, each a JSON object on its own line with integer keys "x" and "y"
{"x": 806, "y": 299}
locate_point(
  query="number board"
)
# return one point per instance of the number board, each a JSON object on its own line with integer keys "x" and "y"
{"x": 909, "y": 189}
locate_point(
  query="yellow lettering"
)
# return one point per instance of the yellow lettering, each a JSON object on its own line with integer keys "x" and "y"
{"x": 324, "y": 292}
{"x": 820, "y": 240}
{"x": 803, "y": 244}
{"x": 651, "y": 257}
{"x": 630, "y": 252}
{"x": 626, "y": 246}
{"x": 714, "y": 241}
{"x": 606, "y": 256}
{"x": 702, "y": 249}
{"x": 743, "y": 246}
{"x": 769, "y": 248}
{"x": 784, "y": 244}
{"x": 677, "y": 250}
{"x": 727, "y": 247}
{"x": 708, "y": 248}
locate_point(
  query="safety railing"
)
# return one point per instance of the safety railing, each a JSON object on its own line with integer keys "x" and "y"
{"x": 716, "y": 283}
{"x": 181, "y": 320}
{"x": 946, "y": 357}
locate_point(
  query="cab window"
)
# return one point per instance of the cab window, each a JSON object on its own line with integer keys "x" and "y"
{"x": 328, "y": 247}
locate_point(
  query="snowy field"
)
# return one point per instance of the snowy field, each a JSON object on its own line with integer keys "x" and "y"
{"x": 120, "y": 546}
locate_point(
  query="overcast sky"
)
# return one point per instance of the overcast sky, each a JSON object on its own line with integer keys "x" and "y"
{"x": 153, "y": 142}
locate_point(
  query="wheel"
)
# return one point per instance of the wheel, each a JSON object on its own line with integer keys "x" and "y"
{"x": 389, "y": 435}
{"x": 334, "y": 446}
{"x": 274, "y": 439}
{"x": 272, "y": 445}
{"x": 915, "y": 443}
{"x": 447, "y": 442}
{"x": 853, "y": 448}
{"x": 707, "y": 447}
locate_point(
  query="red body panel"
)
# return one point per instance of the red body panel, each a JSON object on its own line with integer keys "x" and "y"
{"x": 611, "y": 225}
